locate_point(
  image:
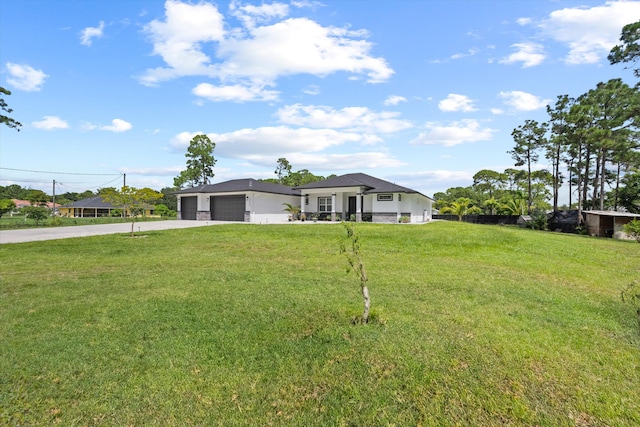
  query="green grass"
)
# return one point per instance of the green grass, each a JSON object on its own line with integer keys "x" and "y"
{"x": 19, "y": 221}
{"x": 250, "y": 325}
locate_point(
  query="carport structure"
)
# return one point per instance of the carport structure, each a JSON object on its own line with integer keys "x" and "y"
{"x": 608, "y": 223}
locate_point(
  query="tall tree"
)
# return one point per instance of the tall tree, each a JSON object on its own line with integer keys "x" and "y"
{"x": 12, "y": 123}
{"x": 200, "y": 163}
{"x": 283, "y": 169}
{"x": 557, "y": 143}
{"x": 629, "y": 194}
{"x": 629, "y": 50}
{"x": 612, "y": 107}
{"x": 489, "y": 181}
{"x": 529, "y": 138}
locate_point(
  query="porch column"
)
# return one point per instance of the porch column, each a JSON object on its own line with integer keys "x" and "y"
{"x": 359, "y": 207}
{"x": 333, "y": 206}
{"x": 303, "y": 198}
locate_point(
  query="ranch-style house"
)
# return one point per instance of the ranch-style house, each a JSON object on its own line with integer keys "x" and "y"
{"x": 357, "y": 196}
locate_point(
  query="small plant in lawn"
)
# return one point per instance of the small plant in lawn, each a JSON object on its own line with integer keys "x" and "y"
{"x": 631, "y": 295}
{"x": 633, "y": 229}
{"x": 350, "y": 246}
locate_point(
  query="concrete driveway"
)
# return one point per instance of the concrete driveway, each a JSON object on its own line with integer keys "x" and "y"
{"x": 52, "y": 233}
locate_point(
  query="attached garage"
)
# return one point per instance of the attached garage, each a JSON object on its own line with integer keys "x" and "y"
{"x": 227, "y": 208}
{"x": 238, "y": 200}
{"x": 189, "y": 207}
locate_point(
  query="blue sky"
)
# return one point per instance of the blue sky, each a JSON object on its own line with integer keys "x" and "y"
{"x": 421, "y": 93}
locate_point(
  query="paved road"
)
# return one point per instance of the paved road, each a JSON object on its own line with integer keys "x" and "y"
{"x": 52, "y": 233}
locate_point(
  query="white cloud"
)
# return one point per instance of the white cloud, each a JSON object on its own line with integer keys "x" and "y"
{"x": 312, "y": 90}
{"x": 257, "y": 54}
{"x": 300, "y": 46}
{"x": 273, "y": 140}
{"x": 454, "y": 102}
{"x": 25, "y": 77}
{"x": 181, "y": 141}
{"x": 50, "y": 123}
{"x": 394, "y": 100}
{"x": 530, "y": 54}
{"x": 453, "y": 134}
{"x": 523, "y": 21}
{"x": 350, "y": 161}
{"x": 117, "y": 125}
{"x": 88, "y": 34}
{"x": 358, "y": 119}
{"x": 269, "y": 140}
{"x": 235, "y": 93}
{"x": 250, "y": 15}
{"x": 590, "y": 33}
{"x": 468, "y": 53}
{"x": 447, "y": 176}
{"x": 168, "y": 171}
{"x": 178, "y": 40}
{"x": 523, "y": 101}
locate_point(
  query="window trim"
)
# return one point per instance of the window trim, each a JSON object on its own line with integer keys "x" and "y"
{"x": 385, "y": 197}
{"x": 326, "y": 201}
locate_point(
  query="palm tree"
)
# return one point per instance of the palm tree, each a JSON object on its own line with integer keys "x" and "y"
{"x": 460, "y": 207}
{"x": 292, "y": 209}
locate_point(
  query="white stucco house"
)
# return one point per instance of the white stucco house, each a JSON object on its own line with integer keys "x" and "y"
{"x": 245, "y": 200}
{"x": 362, "y": 197}
{"x": 357, "y": 197}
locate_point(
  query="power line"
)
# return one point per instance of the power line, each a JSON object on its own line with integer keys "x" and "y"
{"x": 64, "y": 173}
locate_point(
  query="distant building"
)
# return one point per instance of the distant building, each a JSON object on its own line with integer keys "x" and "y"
{"x": 93, "y": 207}
{"x": 608, "y": 223}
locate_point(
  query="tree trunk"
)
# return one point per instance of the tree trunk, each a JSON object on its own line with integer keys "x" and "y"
{"x": 585, "y": 175}
{"x": 603, "y": 176}
{"x": 365, "y": 292}
{"x": 615, "y": 194}
{"x": 529, "y": 201}
{"x": 580, "y": 183}
{"x": 367, "y": 304}
{"x": 596, "y": 184}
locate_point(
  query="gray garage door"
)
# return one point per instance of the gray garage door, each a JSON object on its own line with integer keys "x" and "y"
{"x": 227, "y": 208}
{"x": 188, "y": 207}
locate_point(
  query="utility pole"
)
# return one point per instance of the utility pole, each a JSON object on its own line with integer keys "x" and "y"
{"x": 54, "y": 197}
{"x": 124, "y": 183}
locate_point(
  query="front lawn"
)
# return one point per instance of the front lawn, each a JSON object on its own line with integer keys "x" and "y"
{"x": 250, "y": 325}
{"x": 19, "y": 221}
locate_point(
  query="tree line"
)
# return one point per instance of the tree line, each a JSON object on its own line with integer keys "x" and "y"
{"x": 592, "y": 143}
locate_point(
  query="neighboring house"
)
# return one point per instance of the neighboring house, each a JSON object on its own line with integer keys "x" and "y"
{"x": 353, "y": 196}
{"x": 23, "y": 203}
{"x": 608, "y": 223}
{"x": 93, "y": 207}
{"x": 245, "y": 200}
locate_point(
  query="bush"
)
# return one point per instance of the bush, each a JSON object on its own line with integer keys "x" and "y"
{"x": 633, "y": 229}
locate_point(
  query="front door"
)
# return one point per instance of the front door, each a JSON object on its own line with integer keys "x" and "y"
{"x": 352, "y": 208}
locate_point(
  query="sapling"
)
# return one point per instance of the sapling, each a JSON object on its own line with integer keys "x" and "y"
{"x": 350, "y": 246}
{"x": 631, "y": 295}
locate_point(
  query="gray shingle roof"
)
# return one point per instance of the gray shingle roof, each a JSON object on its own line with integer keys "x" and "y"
{"x": 240, "y": 185}
{"x": 373, "y": 185}
{"x": 92, "y": 202}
